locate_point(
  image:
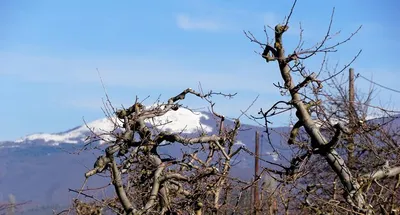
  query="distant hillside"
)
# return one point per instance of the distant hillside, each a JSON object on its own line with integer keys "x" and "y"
{"x": 38, "y": 167}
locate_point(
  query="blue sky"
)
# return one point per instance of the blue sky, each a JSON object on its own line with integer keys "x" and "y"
{"x": 49, "y": 52}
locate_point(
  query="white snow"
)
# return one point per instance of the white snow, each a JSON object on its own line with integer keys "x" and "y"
{"x": 239, "y": 143}
{"x": 274, "y": 155}
{"x": 182, "y": 120}
{"x": 74, "y": 136}
{"x": 9, "y": 146}
{"x": 47, "y": 138}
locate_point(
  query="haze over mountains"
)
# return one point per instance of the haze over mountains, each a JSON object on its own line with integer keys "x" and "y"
{"x": 41, "y": 167}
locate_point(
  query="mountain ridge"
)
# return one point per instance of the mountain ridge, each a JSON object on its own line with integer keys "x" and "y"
{"x": 42, "y": 167}
{"x": 181, "y": 120}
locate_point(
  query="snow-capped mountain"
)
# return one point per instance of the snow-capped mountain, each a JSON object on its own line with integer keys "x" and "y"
{"x": 183, "y": 120}
{"x": 41, "y": 167}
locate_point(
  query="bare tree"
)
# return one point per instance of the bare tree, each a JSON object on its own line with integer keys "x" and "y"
{"x": 326, "y": 123}
{"x": 147, "y": 182}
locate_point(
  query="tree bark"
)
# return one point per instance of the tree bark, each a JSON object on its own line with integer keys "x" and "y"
{"x": 335, "y": 161}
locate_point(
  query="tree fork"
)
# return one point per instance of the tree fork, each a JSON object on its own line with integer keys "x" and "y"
{"x": 332, "y": 157}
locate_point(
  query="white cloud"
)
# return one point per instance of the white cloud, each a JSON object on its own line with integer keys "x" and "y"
{"x": 188, "y": 23}
{"x": 126, "y": 77}
{"x": 136, "y": 73}
{"x": 237, "y": 21}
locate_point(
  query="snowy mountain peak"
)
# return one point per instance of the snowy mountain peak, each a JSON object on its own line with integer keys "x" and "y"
{"x": 182, "y": 120}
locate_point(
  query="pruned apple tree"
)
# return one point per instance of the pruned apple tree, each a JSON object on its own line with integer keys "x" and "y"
{"x": 342, "y": 163}
{"x": 147, "y": 181}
